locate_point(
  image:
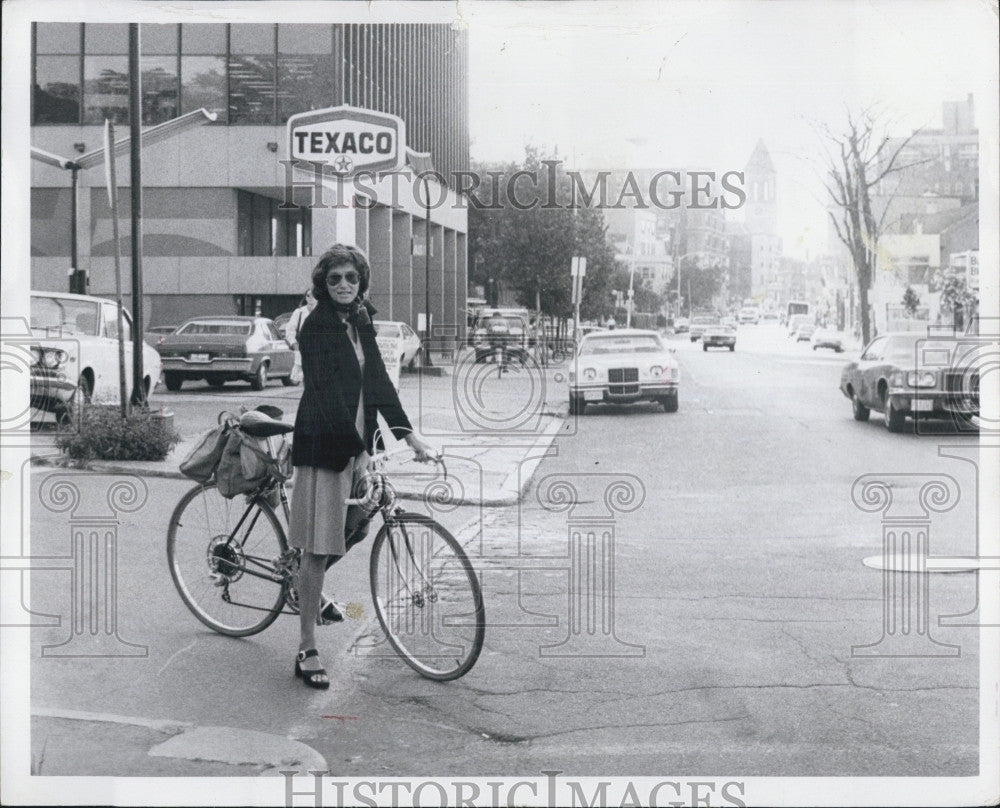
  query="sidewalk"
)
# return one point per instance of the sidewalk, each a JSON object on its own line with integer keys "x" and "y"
{"x": 493, "y": 432}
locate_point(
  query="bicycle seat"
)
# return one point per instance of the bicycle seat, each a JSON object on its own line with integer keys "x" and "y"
{"x": 259, "y": 425}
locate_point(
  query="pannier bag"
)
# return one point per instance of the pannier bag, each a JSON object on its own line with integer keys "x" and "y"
{"x": 247, "y": 462}
{"x": 202, "y": 460}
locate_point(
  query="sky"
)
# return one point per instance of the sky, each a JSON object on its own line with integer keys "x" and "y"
{"x": 662, "y": 85}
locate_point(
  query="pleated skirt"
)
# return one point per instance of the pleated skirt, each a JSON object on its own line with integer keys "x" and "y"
{"x": 318, "y": 516}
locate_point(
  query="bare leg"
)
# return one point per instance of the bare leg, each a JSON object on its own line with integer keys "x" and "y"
{"x": 312, "y": 568}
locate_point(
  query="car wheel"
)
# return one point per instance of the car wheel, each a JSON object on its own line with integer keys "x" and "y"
{"x": 895, "y": 420}
{"x": 85, "y": 389}
{"x": 577, "y": 406}
{"x": 173, "y": 381}
{"x": 704, "y": 347}
{"x": 732, "y": 347}
{"x": 288, "y": 381}
{"x": 259, "y": 380}
{"x": 672, "y": 402}
{"x": 861, "y": 412}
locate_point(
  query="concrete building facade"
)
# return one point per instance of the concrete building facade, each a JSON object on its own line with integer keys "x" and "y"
{"x": 219, "y": 234}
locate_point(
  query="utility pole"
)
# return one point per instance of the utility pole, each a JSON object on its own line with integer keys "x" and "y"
{"x": 135, "y": 166}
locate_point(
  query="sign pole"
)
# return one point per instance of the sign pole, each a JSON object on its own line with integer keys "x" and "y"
{"x": 135, "y": 167}
{"x": 109, "y": 167}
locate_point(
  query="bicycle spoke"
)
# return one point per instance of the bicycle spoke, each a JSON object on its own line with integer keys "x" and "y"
{"x": 427, "y": 597}
{"x": 223, "y": 557}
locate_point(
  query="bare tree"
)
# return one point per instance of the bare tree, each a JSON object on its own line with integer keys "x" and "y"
{"x": 862, "y": 162}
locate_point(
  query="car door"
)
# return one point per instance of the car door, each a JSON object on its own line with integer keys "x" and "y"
{"x": 108, "y": 347}
{"x": 870, "y": 367}
{"x": 282, "y": 356}
{"x": 411, "y": 340}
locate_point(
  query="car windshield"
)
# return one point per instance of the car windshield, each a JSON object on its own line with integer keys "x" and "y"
{"x": 386, "y": 330}
{"x": 705, "y": 320}
{"x": 66, "y": 314}
{"x": 512, "y": 324}
{"x": 215, "y": 328}
{"x": 640, "y": 343}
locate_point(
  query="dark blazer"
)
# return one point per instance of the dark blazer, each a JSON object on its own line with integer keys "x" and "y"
{"x": 325, "y": 435}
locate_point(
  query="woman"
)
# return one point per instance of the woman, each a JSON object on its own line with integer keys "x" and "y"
{"x": 292, "y": 328}
{"x": 345, "y": 387}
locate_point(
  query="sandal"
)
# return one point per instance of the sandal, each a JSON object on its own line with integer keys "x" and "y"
{"x": 312, "y": 678}
{"x": 329, "y": 612}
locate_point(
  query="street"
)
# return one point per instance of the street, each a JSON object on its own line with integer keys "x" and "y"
{"x": 707, "y": 626}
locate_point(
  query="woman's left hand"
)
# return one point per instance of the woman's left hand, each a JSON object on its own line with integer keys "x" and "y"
{"x": 423, "y": 451}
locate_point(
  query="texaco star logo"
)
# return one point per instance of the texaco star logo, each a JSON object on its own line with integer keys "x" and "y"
{"x": 343, "y": 164}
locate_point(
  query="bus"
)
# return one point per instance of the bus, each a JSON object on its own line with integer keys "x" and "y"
{"x": 795, "y": 307}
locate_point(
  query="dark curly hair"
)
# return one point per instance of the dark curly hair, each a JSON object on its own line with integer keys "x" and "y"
{"x": 338, "y": 255}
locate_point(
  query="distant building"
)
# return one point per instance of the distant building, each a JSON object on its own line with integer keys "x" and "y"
{"x": 760, "y": 225}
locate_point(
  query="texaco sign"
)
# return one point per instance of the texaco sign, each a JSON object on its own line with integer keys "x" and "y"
{"x": 348, "y": 140}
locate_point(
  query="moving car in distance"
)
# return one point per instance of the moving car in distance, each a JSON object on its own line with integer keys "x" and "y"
{"x": 769, "y": 317}
{"x": 408, "y": 341}
{"x": 719, "y": 336}
{"x": 909, "y": 374}
{"x": 508, "y": 332}
{"x": 228, "y": 348}
{"x": 700, "y": 323}
{"x": 795, "y": 307}
{"x": 749, "y": 315}
{"x": 828, "y": 338}
{"x": 682, "y": 325}
{"x": 621, "y": 367}
{"x": 795, "y": 321}
{"x": 75, "y": 353}
{"x": 804, "y": 331}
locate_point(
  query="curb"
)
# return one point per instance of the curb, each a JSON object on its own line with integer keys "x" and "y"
{"x": 516, "y": 492}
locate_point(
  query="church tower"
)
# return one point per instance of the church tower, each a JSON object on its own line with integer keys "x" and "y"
{"x": 761, "y": 209}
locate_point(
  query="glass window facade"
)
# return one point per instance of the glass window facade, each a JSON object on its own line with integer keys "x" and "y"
{"x": 105, "y": 39}
{"x": 105, "y": 89}
{"x": 57, "y": 37}
{"x": 264, "y": 229}
{"x": 158, "y": 40}
{"x": 57, "y": 89}
{"x": 251, "y": 89}
{"x": 203, "y": 84}
{"x": 160, "y": 83}
{"x": 205, "y": 39}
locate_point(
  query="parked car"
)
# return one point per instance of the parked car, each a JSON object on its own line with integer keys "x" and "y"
{"x": 75, "y": 358}
{"x": 749, "y": 315}
{"x": 221, "y": 349}
{"x": 770, "y": 317}
{"x": 804, "y": 331}
{"x": 700, "y": 323}
{"x": 908, "y": 374}
{"x": 155, "y": 333}
{"x": 509, "y": 332}
{"x": 729, "y": 321}
{"x": 623, "y": 366}
{"x": 719, "y": 336}
{"x": 408, "y": 341}
{"x": 282, "y": 320}
{"x": 827, "y": 338}
{"x": 682, "y": 325}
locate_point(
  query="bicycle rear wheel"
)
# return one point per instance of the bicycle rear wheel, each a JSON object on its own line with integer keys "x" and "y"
{"x": 226, "y": 557}
{"x": 427, "y": 597}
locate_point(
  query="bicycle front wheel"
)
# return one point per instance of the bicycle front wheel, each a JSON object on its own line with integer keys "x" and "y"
{"x": 226, "y": 557}
{"x": 427, "y": 597}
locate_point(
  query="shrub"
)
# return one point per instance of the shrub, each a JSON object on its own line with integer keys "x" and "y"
{"x": 100, "y": 433}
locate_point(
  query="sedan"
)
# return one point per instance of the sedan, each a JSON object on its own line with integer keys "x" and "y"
{"x": 700, "y": 323}
{"x": 155, "y": 333}
{"x": 825, "y": 338}
{"x": 221, "y": 349}
{"x": 719, "y": 336}
{"x": 804, "y": 331}
{"x": 406, "y": 340}
{"x": 621, "y": 367}
{"x": 908, "y": 374}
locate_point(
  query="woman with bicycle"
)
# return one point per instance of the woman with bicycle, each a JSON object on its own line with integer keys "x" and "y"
{"x": 345, "y": 386}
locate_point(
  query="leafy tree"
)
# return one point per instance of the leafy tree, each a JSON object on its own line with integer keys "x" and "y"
{"x": 523, "y": 235}
{"x": 911, "y": 300}
{"x": 699, "y": 285}
{"x": 955, "y": 292}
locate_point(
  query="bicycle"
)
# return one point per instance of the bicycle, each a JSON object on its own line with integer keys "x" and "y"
{"x": 233, "y": 568}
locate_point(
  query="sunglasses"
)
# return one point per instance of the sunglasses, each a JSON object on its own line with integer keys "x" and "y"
{"x": 334, "y": 278}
